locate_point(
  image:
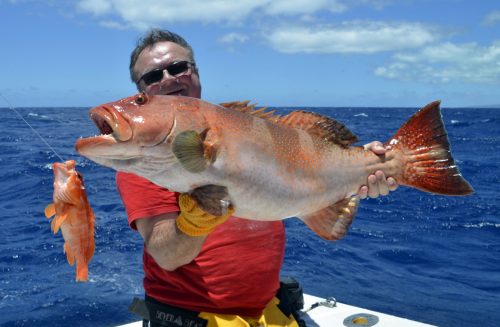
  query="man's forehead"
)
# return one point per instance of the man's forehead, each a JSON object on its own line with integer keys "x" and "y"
{"x": 164, "y": 48}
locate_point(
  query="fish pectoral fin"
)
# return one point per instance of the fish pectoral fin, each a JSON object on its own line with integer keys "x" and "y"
{"x": 50, "y": 210}
{"x": 320, "y": 126}
{"x": 69, "y": 254}
{"x": 194, "y": 154}
{"x": 57, "y": 222}
{"x": 332, "y": 223}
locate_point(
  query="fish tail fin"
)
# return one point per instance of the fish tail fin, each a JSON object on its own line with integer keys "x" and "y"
{"x": 429, "y": 165}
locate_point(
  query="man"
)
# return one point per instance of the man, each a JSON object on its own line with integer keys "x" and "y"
{"x": 227, "y": 271}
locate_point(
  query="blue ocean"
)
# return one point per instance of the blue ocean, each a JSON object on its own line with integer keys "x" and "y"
{"x": 424, "y": 257}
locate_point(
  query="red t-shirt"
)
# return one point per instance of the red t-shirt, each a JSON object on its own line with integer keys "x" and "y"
{"x": 237, "y": 270}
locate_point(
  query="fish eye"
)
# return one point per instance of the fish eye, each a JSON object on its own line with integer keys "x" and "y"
{"x": 141, "y": 99}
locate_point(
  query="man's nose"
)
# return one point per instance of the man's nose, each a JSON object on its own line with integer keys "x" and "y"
{"x": 167, "y": 76}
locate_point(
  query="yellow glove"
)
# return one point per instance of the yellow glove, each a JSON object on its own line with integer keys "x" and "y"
{"x": 193, "y": 221}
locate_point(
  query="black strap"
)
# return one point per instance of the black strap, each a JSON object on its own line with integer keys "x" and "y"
{"x": 164, "y": 315}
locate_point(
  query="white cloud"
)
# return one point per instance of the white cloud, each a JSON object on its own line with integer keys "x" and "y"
{"x": 96, "y": 7}
{"x": 233, "y": 38}
{"x": 113, "y": 25}
{"x": 448, "y": 62}
{"x": 492, "y": 18}
{"x": 352, "y": 37}
{"x": 300, "y": 7}
{"x": 146, "y": 13}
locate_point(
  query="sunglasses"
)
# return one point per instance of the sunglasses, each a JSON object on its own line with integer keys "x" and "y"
{"x": 174, "y": 69}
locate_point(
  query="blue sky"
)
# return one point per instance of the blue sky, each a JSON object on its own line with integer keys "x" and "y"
{"x": 402, "y": 53}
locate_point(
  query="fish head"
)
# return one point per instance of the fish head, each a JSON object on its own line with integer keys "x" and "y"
{"x": 68, "y": 183}
{"x": 137, "y": 131}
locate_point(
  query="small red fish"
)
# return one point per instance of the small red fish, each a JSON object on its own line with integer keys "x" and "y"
{"x": 74, "y": 216}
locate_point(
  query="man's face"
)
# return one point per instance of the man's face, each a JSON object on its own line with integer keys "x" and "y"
{"x": 159, "y": 56}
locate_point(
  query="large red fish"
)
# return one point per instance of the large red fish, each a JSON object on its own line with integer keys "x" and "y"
{"x": 74, "y": 216}
{"x": 268, "y": 167}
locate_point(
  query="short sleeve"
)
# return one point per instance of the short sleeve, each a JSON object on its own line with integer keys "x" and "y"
{"x": 142, "y": 198}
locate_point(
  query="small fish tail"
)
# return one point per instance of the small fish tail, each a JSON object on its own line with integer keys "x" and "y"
{"x": 82, "y": 272}
{"x": 429, "y": 165}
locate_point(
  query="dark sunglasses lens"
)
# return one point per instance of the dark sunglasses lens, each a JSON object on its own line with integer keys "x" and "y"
{"x": 177, "y": 68}
{"x": 153, "y": 77}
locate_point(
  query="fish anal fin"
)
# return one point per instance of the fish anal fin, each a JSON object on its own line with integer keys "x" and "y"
{"x": 332, "y": 223}
{"x": 320, "y": 126}
{"x": 192, "y": 152}
{"x": 70, "y": 256}
{"x": 91, "y": 247}
{"x": 57, "y": 222}
{"x": 50, "y": 210}
{"x": 244, "y": 106}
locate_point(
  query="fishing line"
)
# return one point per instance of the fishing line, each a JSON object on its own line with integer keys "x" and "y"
{"x": 34, "y": 130}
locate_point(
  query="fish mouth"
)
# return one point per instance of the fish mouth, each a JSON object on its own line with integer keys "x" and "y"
{"x": 114, "y": 131}
{"x": 111, "y": 122}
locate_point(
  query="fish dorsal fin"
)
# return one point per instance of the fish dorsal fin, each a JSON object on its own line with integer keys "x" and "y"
{"x": 332, "y": 223}
{"x": 320, "y": 126}
{"x": 315, "y": 124}
{"x": 244, "y": 106}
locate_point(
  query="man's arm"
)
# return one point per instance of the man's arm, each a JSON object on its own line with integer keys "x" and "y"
{"x": 170, "y": 247}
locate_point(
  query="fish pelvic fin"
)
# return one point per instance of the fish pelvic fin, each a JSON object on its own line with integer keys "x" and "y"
{"x": 429, "y": 166}
{"x": 56, "y": 223}
{"x": 320, "y": 126}
{"x": 50, "y": 210}
{"x": 193, "y": 151}
{"x": 332, "y": 223}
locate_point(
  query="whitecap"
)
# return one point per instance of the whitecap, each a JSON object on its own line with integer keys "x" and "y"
{"x": 482, "y": 224}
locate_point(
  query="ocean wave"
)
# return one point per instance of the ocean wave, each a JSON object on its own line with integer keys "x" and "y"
{"x": 482, "y": 225}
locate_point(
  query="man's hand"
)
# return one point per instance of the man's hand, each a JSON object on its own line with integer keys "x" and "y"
{"x": 378, "y": 184}
{"x": 193, "y": 221}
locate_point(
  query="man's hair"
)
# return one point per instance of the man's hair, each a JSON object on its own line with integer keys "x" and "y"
{"x": 153, "y": 36}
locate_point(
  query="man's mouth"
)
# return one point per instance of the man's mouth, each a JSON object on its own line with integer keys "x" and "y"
{"x": 176, "y": 92}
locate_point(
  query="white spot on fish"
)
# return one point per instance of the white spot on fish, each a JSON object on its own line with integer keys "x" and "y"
{"x": 138, "y": 119}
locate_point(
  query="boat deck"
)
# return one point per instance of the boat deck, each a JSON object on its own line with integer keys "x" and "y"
{"x": 320, "y": 312}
